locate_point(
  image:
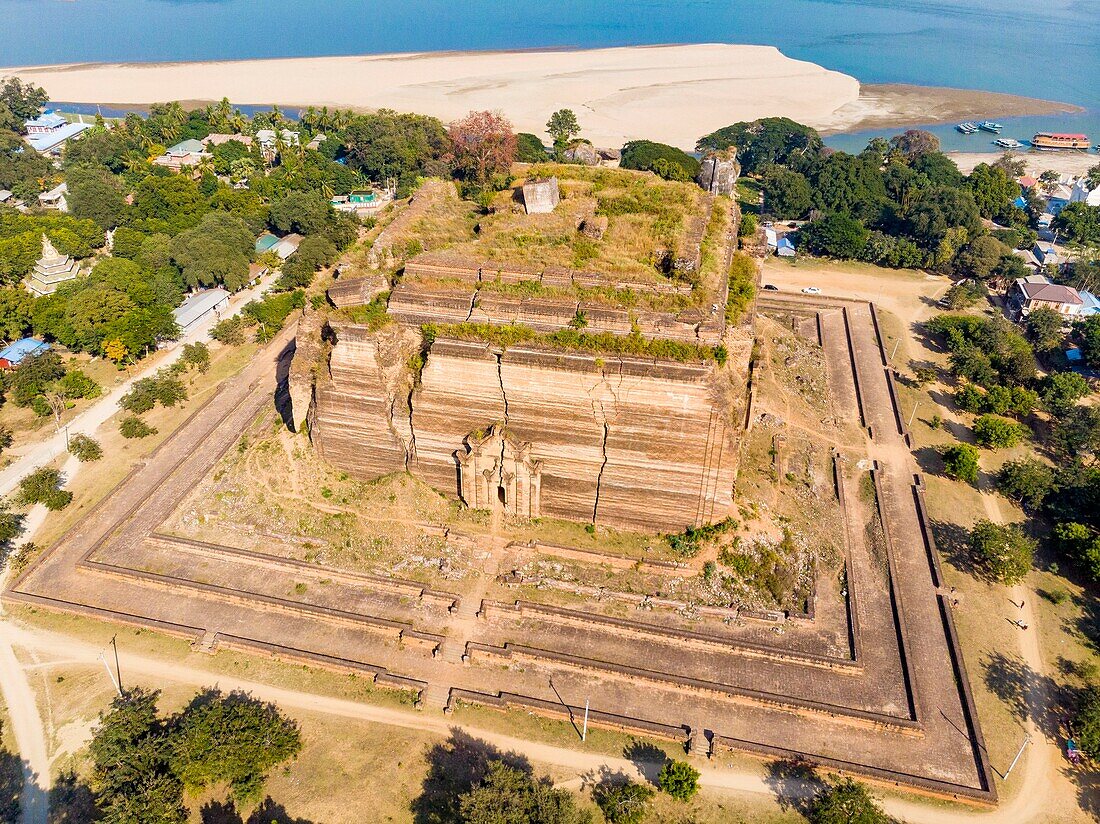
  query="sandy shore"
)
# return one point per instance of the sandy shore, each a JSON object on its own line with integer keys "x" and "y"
{"x": 1072, "y": 163}
{"x": 672, "y": 94}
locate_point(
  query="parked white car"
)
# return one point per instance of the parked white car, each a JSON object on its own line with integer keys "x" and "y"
{"x": 811, "y": 290}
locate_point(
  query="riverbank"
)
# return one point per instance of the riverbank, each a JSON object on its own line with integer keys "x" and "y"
{"x": 673, "y": 94}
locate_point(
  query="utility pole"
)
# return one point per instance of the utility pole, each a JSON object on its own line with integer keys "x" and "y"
{"x": 118, "y": 672}
{"x": 584, "y": 732}
{"x": 914, "y": 415}
{"x": 897, "y": 343}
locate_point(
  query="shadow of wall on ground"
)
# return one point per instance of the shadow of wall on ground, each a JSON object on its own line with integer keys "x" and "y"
{"x": 269, "y": 812}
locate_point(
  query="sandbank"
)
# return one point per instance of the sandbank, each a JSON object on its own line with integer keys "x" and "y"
{"x": 1067, "y": 163}
{"x": 673, "y": 94}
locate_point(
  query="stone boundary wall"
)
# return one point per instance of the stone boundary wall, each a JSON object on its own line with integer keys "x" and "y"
{"x": 397, "y": 586}
{"x": 397, "y": 630}
{"x": 417, "y": 304}
{"x": 606, "y": 720}
{"x": 760, "y": 698}
{"x": 958, "y": 662}
{"x": 900, "y": 624}
{"x": 939, "y": 789}
{"x": 855, "y": 639}
{"x": 855, "y": 369}
{"x": 474, "y": 270}
{"x": 627, "y": 627}
{"x": 599, "y": 557}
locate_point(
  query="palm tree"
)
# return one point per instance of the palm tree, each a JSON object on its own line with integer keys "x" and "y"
{"x": 326, "y": 189}
{"x": 310, "y": 119}
{"x": 276, "y": 118}
{"x": 221, "y": 113}
{"x": 238, "y": 122}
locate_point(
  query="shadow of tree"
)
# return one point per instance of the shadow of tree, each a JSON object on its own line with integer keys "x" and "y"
{"x": 953, "y": 542}
{"x": 648, "y": 758}
{"x": 269, "y": 812}
{"x": 795, "y": 784}
{"x": 11, "y": 785}
{"x": 72, "y": 801}
{"x": 454, "y": 766}
{"x": 929, "y": 460}
{"x": 1025, "y": 692}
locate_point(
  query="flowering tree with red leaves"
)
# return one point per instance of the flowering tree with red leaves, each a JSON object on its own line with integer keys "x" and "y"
{"x": 484, "y": 145}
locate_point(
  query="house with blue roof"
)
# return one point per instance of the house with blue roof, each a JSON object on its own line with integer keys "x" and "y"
{"x": 15, "y": 353}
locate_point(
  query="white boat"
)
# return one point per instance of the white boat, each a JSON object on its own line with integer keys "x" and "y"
{"x": 967, "y": 128}
{"x": 1008, "y": 143}
{"x": 990, "y": 126}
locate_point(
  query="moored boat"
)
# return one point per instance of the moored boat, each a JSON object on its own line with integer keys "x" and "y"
{"x": 1008, "y": 143}
{"x": 1060, "y": 140}
{"x": 967, "y": 128}
{"x": 990, "y": 126}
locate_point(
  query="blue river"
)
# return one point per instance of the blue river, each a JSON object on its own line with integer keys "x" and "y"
{"x": 1049, "y": 49}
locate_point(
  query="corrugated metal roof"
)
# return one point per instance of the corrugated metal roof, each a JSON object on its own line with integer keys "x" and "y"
{"x": 198, "y": 305}
{"x": 15, "y": 352}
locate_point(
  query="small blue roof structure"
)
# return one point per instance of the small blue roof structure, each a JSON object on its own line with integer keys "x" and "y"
{"x": 1074, "y": 355}
{"x": 47, "y": 120}
{"x": 1090, "y": 304}
{"x": 1020, "y": 202}
{"x": 785, "y": 247}
{"x": 47, "y": 141}
{"x": 265, "y": 241}
{"x": 15, "y": 353}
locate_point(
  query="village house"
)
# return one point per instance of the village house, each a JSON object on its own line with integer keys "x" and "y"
{"x": 55, "y": 198}
{"x": 185, "y": 153}
{"x": 200, "y": 306}
{"x": 15, "y": 353}
{"x": 219, "y": 139}
{"x": 48, "y": 132}
{"x": 363, "y": 203}
{"x": 1081, "y": 192}
{"x": 1037, "y": 292}
{"x": 268, "y": 143}
{"x": 287, "y": 245}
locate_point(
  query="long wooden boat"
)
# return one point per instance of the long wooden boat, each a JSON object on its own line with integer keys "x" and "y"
{"x": 1059, "y": 140}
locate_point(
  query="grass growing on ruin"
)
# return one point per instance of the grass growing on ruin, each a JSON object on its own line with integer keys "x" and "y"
{"x": 634, "y": 344}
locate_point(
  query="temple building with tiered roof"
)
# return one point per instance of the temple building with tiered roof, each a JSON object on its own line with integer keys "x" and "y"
{"x": 51, "y": 270}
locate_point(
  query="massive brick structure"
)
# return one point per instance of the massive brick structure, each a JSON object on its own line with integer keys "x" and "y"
{"x": 537, "y": 429}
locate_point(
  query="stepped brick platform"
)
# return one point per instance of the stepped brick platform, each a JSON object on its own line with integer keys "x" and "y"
{"x": 891, "y": 703}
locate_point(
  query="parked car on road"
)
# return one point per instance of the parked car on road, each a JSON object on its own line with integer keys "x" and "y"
{"x": 770, "y": 287}
{"x": 811, "y": 290}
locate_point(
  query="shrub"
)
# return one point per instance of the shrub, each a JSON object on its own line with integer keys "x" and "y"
{"x": 229, "y": 331}
{"x": 85, "y": 448}
{"x": 1087, "y": 722}
{"x": 960, "y": 461}
{"x": 742, "y": 281}
{"x": 197, "y": 355}
{"x": 846, "y": 802}
{"x": 42, "y": 486}
{"x": 748, "y": 226}
{"x": 134, "y": 427}
{"x": 623, "y": 803}
{"x": 1003, "y": 549}
{"x": 162, "y": 388}
{"x": 997, "y": 433}
{"x": 75, "y": 384}
{"x": 679, "y": 779}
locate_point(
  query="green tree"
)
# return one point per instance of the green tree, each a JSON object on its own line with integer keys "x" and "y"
{"x": 386, "y": 144}
{"x": 679, "y": 779}
{"x": 1078, "y": 222}
{"x": 645, "y": 154}
{"x": 1080, "y": 544}
{"x": 196, "y": 355}
{"x": 15, "y": 313}
{"x": 1089, "y": 330}
{"x": 132, "y": 426}
{"x": 303, "y": 212}
{"x": 24, "y": 100}
{"x": 960, "y": 461}
{"x": 1086, "y": 722}
{"x": 85, "y": 448}
{"x": 234, "y": 739}
{"x": 1076, "y": 433}
{"x": 76, "y": 384}
{"x": 95, "y": 194}
{"x": 980, "y": 257}
{"x": 994, "y": 432}
{"x": 1026, "y": 481}
{"x": 846, "y": 802}
{"x": 1003, "y": 549}
{"x": 787, "y": 194}
{"x": 836, "y": 235}
{"x": 34, "y": 376}
{"x": 529, "y": 148}
{"x": 915, "y": 142}
{"x": 1061, "y": 391}
{"x": 763, "y": 142}
{"x": 1044, "y": 329}
{"x": 131, "y": 775}
{"x": 508, "y": 795}
{"x": 562, "y": 128}
{"x": 624, "y": 802}
{"x": 993, "y": 189}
